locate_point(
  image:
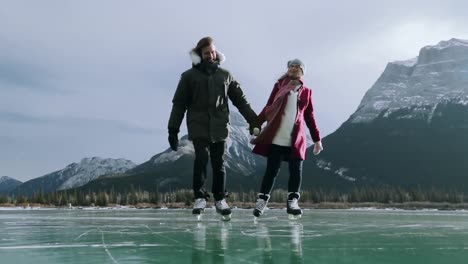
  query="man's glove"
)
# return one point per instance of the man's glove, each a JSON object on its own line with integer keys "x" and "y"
{"x": 317, "y": 147}
{"x": 254, "y": 128}
{"x": 173, "y": 139}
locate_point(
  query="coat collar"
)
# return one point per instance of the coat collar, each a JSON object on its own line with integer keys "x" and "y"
{"x": 196, "y": 59}
{"x": 285, "y": 80}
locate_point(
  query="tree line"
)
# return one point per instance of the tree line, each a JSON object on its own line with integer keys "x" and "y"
{"x": 134, "y": 196}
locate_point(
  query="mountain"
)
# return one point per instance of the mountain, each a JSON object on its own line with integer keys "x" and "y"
{"x": 410, "y": 129}
{"x": 171, "y": 170}
{"x": 437, "y": 75}
{"x": 7, "y": 184}
{"x": 74, "y": 175}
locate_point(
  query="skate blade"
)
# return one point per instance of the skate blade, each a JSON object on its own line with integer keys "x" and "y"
{"x": 198, "y": 217}
{"x": 226, "y": 217}
{"x": 256, "y": 217}
{"x": 294, "y": 217}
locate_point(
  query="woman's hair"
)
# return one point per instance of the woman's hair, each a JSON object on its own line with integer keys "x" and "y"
{"x": 202, "y": 43}
{"x": 284, "y": 75}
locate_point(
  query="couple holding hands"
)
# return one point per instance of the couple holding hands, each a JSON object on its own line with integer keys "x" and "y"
{"x": 203, "y": 92}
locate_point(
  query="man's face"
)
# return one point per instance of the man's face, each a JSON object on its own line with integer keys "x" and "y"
{"x": 294, "y": 71}
{"x": 209, "y": 53}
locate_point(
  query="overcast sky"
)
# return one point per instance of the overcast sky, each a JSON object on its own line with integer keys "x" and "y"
{"x": 96, "y": 78}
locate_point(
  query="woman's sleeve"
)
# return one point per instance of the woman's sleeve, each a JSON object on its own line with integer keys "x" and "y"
{"x": 309, "y": 119}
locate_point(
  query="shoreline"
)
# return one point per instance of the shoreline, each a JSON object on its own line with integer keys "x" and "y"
{"x": 249, "y": 205}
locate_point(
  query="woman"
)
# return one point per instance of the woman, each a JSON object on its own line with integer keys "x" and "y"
{"x": 284, "y": 138}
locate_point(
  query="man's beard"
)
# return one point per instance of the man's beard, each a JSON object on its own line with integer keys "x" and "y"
{"x": 210, "y": 61}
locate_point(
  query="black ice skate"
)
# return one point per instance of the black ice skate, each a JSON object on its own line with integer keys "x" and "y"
{"x": 293, "y": 209}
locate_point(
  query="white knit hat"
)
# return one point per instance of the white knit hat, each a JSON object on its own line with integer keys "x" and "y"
{"x": 298, "y": 62}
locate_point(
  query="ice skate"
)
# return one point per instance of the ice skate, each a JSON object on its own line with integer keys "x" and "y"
{"x": 293, "y": 209}
{"x": 198, "y": 208}
{"x": 223, "y": 209}
{"x": 261, "y": 204}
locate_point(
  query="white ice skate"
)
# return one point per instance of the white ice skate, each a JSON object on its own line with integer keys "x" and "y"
{"x": 223, "y": 209}
{"x": 198, "y": 208}
{"x": 261, "y": 204}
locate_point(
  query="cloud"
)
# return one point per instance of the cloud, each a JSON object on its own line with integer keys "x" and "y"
{"x": 24, "y": 76}
{"x": 73, "y": 123}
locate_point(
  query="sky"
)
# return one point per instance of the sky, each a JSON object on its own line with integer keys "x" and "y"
{"x": 96, "y": 78}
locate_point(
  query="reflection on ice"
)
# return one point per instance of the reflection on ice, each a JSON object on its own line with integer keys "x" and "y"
{"x": 214, "y": 244}
{"x": 224, "y": 235}
{"x": 267, "y": 234}
{"x": 199, "y": 237}
{"x": 264, "y": 243}
{"x": 297, "y": 231}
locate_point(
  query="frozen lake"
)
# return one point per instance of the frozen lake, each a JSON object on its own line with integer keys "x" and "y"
{"x": 174, "y": 236}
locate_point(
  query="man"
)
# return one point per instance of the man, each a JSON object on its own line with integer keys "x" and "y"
{"x": 203, "y": 93}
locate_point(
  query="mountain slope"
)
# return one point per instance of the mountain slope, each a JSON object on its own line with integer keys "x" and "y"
{"x": 74, "y": 175}
{"x": 411, "y": 128}
{"x": 7, "y": 184}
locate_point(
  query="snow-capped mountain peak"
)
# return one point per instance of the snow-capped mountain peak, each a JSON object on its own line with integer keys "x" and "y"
{"x": 407, "y": 63}
{"x": 238, "y": 150}
{"x": 90, "y": 168}
{"x": 453, "y": 42}
{"x": 185, "y": 148}
{"x": 5, "y": 179}
{"x": 8, "y": 183}
{"x": 439, "y": 74}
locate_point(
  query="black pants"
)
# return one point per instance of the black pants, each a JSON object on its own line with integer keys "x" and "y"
{"x": 276, "y": 155}
{"x": 203, "y": 150}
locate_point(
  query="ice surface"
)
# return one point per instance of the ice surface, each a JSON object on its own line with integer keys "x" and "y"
{"x": 174, "y": 236}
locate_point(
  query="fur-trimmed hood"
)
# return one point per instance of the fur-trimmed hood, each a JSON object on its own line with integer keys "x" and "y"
{"x": 196, "y": 58}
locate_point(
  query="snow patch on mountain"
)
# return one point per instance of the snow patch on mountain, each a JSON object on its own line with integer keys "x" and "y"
{"x": 238, "y": 152}
{"x": 407, "y": 63}
{"x": 379, "y": 105}
{"x": 8, "y": 183}
{"x": 4, "y": 179}
{"x": 324, "y": 165}
{"x": 185, "y": 148}
{"x": 341, "y": 172}
{"x": 450, "y": 43}
{"x": 327, "y": 166}
{"x": 91, "y": 168}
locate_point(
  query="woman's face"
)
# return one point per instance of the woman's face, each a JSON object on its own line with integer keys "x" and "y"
{"x": 294, "y": 71}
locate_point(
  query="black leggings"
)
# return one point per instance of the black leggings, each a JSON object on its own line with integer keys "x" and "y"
{"x": 275, "y": 156}
{"x": 215, "y": 151}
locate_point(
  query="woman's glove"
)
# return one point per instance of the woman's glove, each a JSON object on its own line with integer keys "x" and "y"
{"x": 317, "y": 147}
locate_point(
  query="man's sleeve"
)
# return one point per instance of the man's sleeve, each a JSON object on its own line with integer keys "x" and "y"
{"x": 179, "y": 104}
{"x": 239, "y": 100}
